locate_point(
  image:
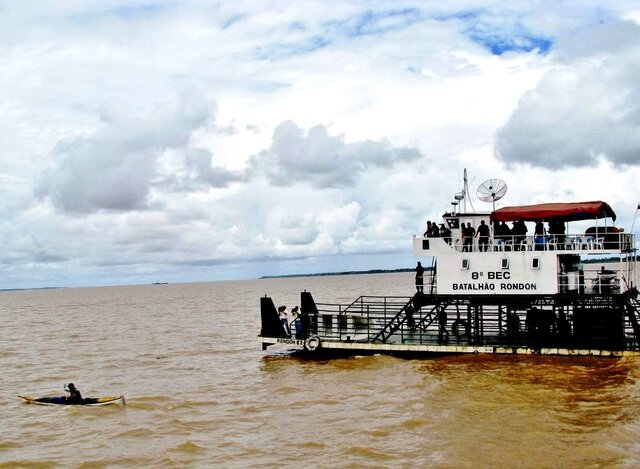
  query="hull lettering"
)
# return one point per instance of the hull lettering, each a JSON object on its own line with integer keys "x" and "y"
{"x": 486, "y": 286}
{"x": 518, "y": 286}
{"x": 474, "y": 286}
{"x": 291, "y": 341}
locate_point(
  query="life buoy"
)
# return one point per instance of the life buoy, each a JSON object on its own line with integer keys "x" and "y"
{"x": 457, "y": 325}
{"x": 312, "y": 343}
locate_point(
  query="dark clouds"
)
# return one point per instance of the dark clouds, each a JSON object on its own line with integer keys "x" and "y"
{"x": 320, "y": 159}
{"x": 583, "y": 110}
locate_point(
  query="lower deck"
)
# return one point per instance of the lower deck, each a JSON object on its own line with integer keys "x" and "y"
{"x": 604, "y": 325}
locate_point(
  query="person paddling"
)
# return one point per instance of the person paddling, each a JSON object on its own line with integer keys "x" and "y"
{"x": 74, "y": 396}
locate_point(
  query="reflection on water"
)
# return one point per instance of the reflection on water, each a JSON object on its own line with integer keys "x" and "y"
{"x": 200, "y": 391}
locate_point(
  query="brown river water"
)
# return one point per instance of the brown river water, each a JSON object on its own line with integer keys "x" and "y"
{"x": 201, "y": 393}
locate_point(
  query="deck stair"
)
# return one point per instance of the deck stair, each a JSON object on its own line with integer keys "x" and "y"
{"x": 414, "y": 311}
{"x": 394, "y": 324}
{"x": 431, "y": 315}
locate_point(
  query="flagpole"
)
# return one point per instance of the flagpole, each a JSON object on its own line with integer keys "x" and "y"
{"x": 634, "y": 218}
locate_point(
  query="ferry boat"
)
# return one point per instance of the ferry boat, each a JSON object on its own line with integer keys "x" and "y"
{"x": 537, "y": 290}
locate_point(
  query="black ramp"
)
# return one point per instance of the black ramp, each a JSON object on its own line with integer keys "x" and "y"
{"x": 271, "y": 325}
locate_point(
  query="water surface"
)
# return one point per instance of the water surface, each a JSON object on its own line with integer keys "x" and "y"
{"x": 201, "y": 392}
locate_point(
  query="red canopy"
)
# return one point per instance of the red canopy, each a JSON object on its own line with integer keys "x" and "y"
{"x": 572, "y": 211}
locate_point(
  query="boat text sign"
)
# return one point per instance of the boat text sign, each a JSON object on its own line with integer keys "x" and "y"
{"x": 499, "y": 282}
{"x": 490, "y": 274}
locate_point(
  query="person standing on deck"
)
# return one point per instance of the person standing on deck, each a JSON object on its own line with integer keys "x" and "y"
{"x": 429, "y": 232}
{"x": 483, "y": 236}
{"x": 297, "y": 324}
{"x": 513, "y": 323}
{"x": 445, "y": 233}
{"x": 556, "y": 232}
{"x": 419, "y": 277}
{"x": 539, "y": 236}
{"x": 519, "y": 232}
{"x": 284, "y": 319}
{"x": 443, "y": 334}
{"x": 505, "y": 234}
{"x": 468, "y": 234}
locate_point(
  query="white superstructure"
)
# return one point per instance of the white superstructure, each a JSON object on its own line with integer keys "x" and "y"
{"x": 525, "y": 266}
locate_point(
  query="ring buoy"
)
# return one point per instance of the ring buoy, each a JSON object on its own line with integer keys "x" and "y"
{"x": 457, "y": 325}
{"x": 312, "y": 343}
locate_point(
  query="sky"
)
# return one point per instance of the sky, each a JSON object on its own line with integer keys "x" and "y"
{"x": 187, "y": 140}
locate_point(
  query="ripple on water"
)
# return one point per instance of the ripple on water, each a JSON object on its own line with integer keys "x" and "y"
{"x": 201, "y": 393}
{"x": 28, "y": 464}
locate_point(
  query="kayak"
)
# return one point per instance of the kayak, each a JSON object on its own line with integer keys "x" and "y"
{"x": 62, "y": 400}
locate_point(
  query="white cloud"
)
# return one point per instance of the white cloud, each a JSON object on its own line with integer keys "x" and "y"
{"x": 114, "y": 168}
{"x": 157, "y": 139}
{"x": 322, "y": 160}
{"x": 585, "y": 108}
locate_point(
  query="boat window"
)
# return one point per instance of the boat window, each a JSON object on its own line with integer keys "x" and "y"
{"x": 504, "y": 263}
{"x": 425, "y": 244}
{"x": 453, "y": 223}
{"x": 465, "y": 264}
{"x": 535, "y": 263}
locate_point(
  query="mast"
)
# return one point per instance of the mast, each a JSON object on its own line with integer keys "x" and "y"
{"x": 463, "y": 196}
{"x": 465, "y": 193}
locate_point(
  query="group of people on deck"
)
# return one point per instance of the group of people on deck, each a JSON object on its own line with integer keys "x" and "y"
{"x": 512, "y": 237}
{"x": 469, "y": 233}
{"x": 286, "y": 324}
{"x": 516, "y": 235}
{"x": 435, "y": 231}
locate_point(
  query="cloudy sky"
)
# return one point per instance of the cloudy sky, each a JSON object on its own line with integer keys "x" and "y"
{"x": 187, "y": 140}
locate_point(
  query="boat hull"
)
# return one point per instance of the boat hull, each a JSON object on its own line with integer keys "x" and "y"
{"x": 61, "y": 400}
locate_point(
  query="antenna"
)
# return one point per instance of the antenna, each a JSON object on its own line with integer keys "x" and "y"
{"x": 462, "y": 196}
{"x": 492, "y": 190}
{"x": 466, "y": 192}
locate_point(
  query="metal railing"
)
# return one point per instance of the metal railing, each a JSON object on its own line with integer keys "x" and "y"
{"x": 456, "y": 321}
{"x": 611, "y": 242}
{"x": 361, "y": 320}
{"x": 593, "y": 281}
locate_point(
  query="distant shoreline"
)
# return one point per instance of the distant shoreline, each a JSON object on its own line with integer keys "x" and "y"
{"x": 392, "y": 271}
{"x": 321, "y": 274}
{"x": 351, "y": 272}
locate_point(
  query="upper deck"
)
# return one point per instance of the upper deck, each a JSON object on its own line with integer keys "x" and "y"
{"x": 598, "y": 260}
{"x": 584, "y": 244}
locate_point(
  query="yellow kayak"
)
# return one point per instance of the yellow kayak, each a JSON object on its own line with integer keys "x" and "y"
{"x": 62, "y": 400}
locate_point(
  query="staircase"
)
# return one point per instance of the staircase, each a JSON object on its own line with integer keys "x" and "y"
{"x": 406, "y": 316}
{"x": 432, "y": 314}
{"x": 395, "y": 323}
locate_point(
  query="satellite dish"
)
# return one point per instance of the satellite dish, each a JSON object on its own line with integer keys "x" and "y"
{"x": 492, "y": 190}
